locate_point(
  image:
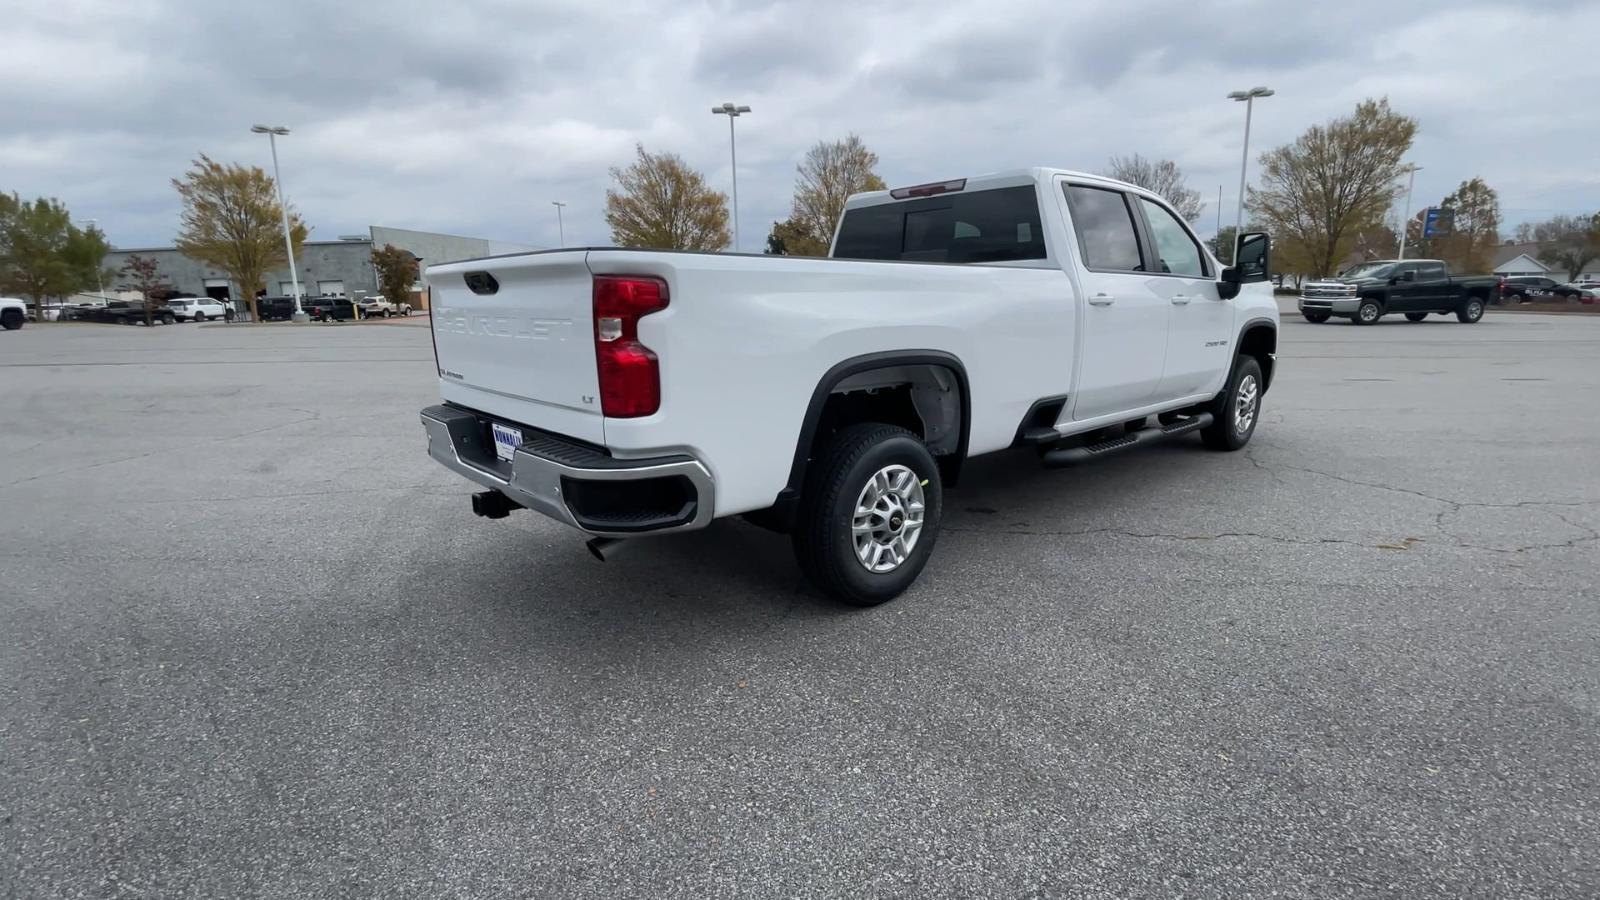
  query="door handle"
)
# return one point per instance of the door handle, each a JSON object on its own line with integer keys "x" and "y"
{"x": 1181, "y": 299}
{"x": 1101, "y": 299}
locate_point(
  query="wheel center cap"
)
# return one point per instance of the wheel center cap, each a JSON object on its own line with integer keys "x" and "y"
{"x": 895, "y": 521}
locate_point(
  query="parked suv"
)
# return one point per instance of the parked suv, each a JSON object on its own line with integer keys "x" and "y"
{"x": 13, "y": 313}
{"x": 1522, "y": 287}
{"x": 270, "y": 308}
{"x": 324, "y": 309}
{"x": 197, "y": 309}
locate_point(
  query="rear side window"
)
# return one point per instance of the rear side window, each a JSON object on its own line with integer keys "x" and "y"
{"x": 1430, "y": 270}
{"x": 1105, "y": 229}
{"x": 997, "y": 225}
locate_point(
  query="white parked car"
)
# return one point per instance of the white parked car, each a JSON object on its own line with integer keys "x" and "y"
{"x": 197, "y": 309}
{"x": 13, "y": 313}
{"x": 635, "y": 392}
{"x": 376, "y": 306}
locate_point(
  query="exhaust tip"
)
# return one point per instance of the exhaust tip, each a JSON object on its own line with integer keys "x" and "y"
{"x": 598, "y": 547}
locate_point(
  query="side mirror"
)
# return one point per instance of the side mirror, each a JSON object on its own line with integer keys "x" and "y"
{"x": 1252, "y": 263}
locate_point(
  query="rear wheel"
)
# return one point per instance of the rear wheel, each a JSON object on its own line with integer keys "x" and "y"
{"x": 869, "y": 514}
{"x": 1368, "y": 313}
{"x": 1470, "y": 311}
{"x": 11, "y": 319}
{"x": 1416, "y": 317}
{"x": 1316, "y": 318}
{"x": 199, "y": 317}
{"x": 1235, "y": 411}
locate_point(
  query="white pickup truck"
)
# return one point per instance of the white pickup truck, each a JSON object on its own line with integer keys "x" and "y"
{"x": 639, "y": 392}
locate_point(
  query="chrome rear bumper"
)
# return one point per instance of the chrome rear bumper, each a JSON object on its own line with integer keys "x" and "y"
{"x": 547, "y": 472}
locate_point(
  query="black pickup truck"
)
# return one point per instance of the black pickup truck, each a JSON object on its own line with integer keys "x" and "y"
{"x": 1415, "y": 287}
{"x": 121, "y": 312}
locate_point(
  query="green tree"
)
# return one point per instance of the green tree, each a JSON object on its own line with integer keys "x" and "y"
{"x": 660, "y": 202}
{"x": 788, "y": 238}
{"x": 1475, "y": 231}
{"x": 1316, "y": 192}
{"x": 825, "y": 179}
{"x": 1159, "y": 176}
{"x": 42, "y": 254}
{"x": 231, "y": 220}
{"x": 1570, "y": 243}
{"x": 397, "y": 272}
{"x": 143, "y": 274}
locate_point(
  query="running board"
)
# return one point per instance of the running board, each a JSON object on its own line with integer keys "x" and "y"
{"x": 1071, "y": 456}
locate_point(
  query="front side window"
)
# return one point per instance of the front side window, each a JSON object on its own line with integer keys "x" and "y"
{"x": 1176, "y": 251}
{"x": 1106, "y": 234}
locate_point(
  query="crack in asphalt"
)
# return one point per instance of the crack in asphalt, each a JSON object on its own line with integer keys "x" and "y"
{"x": 1274, "y": 470}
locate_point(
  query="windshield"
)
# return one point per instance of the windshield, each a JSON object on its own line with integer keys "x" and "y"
{"x": 1368, "y": 270}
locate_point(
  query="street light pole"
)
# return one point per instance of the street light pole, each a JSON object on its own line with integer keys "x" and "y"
{"x": 561, "y": 229}
{"x": 1405, "y": 219}
{"x": 272, "y": 133}
{"x": 1249, "y": 98}
{"x": 733, "y": 112}
{"x": 99, "y": 275}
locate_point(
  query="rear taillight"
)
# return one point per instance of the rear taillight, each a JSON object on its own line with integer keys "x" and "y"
{"x": 630, "y": 375}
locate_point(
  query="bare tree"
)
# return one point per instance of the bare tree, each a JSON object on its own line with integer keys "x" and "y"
{"x": 1160, "y": 176}
{"x": 830, "y": 173}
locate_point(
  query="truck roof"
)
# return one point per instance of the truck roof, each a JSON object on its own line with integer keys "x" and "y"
{"x": 1003, "y": 178}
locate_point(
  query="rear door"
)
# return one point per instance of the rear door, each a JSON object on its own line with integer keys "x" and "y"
{"x": 1200, "y": 321}
{"x": 515, "y": 339}
{"x": 1124, "y": 337}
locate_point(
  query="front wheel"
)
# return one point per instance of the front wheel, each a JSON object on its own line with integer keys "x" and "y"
{"x": 1368, "y": 312}
{"x": 1471, "y": 311}
{"x": 1235, "y": 411}
{"x": 869, "y": 514}
{"x": 1416, "y": 317}
{"x": 1316, "y": 318}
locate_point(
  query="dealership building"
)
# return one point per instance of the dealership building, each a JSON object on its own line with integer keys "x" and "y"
{"x": 334, "y": 268}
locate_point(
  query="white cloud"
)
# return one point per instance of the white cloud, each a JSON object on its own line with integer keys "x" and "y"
{"x": 472, "y": 116}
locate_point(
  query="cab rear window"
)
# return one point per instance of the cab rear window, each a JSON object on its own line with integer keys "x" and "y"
{"x": 998, "y": 225}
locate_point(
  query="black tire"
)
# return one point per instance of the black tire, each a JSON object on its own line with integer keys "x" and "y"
{"x": 1470, "y": 311}
{"x": 199, "y": 317}
{"x": 169, "y": 319}
{"x": 12, "y": 319}
{"x": 824, "y": 544}
{"x": 1517, "y": 297}
{"x": 1416, "y": 317}
{"x": 1368, "y": 313}
{"x": 1224, "y": 432}
{"x": 1316, "y": 318}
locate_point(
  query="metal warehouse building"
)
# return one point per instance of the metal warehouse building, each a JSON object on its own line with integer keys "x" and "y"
{"x": 326, "y": 268}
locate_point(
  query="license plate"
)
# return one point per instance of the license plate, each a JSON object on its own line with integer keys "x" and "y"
{"x": 506, "y": 440}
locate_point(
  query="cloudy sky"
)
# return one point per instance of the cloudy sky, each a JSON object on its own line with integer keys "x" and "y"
{"x": 470, "y": 116}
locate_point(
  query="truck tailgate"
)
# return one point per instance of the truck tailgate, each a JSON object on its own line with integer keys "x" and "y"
{"x": 519, "y": 344}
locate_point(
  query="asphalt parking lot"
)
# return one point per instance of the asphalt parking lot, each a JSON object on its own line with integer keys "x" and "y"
{"x": 256, "y": 644}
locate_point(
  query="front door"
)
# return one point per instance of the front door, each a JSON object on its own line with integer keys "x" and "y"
{"x": 1124, "y": 335}
{"x": 1406, "y": 294}
{"x": 1199, "y": 340}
